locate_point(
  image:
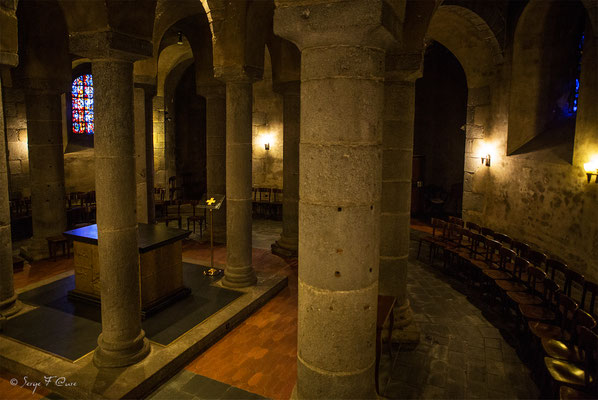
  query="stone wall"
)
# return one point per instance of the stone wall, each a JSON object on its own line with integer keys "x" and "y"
{"x": 267, "y": 128}
{"x": 544, "y": 202}
{"x": 16, "y": 132}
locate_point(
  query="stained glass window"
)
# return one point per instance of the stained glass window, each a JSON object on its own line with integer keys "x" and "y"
{"x": 82, "y": 105}
{"x": 575, "y": 94}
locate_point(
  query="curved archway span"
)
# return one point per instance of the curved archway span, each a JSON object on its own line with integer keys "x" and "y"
{"x": 470, "y": 39}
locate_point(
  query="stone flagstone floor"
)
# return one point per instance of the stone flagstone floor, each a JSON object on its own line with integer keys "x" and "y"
{"x": 462, "y": 354}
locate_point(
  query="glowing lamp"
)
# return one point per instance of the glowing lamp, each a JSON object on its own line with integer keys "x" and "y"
{"x": 591, "y": 169}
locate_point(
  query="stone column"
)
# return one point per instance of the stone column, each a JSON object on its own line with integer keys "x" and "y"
{"x": 342, "y": 93}
{"x": 46, "y": 165}
{"x": 9, "y": 304}
{"x": 397, "y": 161}
{"x": 144, "y": 153}
{"x": 215, "y": 96}
{"x": 239, "y": 100}
{"x": 122, "y": 341}
{"x": 287, "y": 245}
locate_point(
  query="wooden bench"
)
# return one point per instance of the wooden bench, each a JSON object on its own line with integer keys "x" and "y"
{"x": 56, "y": 242}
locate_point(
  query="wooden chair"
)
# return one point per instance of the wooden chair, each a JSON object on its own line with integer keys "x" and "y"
{"x": 486, "y": 231}
{"x": 519, "y": 274}
{"x": 456, "y": 221}
{"x": 491, "y": 256}
{"x": 537, "y": 258}
{"x": 435, "y": 240}
{"x": 201, "y": 219}
{"x": 531, "y": 296}
{"x": 501, "y": 237}
{"x": 277, "y": 203}
{"x": 168, "y": 218}
{"x": 588, "y": 298}
{"x": 559, "y": 327}
{"x": 582, "y": 377}
{"x": 472, "y": 226}
{"x": 520, "y": 247}
{"x": 160, "y": 202}
{"x": 568, "y": 350}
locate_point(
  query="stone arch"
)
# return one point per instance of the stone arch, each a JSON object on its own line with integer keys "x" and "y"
{"x": 474, "y": 44}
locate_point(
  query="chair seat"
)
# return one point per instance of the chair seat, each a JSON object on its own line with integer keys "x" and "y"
{"x": 511, "y": 286}
{"x": 535, "y": 312}
{"x": 496, "y": 274}
{"x": 560, "y": 350}
{"x": 545, "y": 331}
{"x": 524, "y": 298}
{"x": 562, "y": 371}
{"x": 481, "y": 264}
{"x": 568, "y": 393}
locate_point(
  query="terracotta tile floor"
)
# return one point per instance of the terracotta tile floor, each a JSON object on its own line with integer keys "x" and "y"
{"x": 260, "y": 354}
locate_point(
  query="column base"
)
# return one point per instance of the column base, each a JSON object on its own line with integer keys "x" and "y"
{"x": 285, "y": 247}
{"x": 239, "y": 277}
{"x": 406, "y": 332}
{"x": 10, "y": 306}
{"x": 35, "y": 249}
{"x": 122, "y": 354}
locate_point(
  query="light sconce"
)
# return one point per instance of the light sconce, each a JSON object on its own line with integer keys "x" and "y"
{"x": 591, "y": 170}
{"x": 180, "y": 41}
{"x": 486, "y": 160}
{"x": 267, "y": 146}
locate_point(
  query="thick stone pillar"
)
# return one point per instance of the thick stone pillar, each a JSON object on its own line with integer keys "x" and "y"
{"x": 46, "y": 165}
{"x": 122, "y": 341}
{"x": 144, "y": 152}
{"x": 215, "y": 96}
{"x": 397, "y": 160}
{"x": 342, "y": 93}
{"x": 287, "y": 245}
{"x": 9, "y": 304}
{"x": 239, "y": 99}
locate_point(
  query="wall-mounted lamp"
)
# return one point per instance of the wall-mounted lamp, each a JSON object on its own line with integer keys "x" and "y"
{"x": 267, "y": 146}
{"x": 180, "y": 41}
{"x": 486, "y": 160}
{"x": 591, "y": 170}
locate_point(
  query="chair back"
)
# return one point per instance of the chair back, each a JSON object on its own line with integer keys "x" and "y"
{"x": 521, "y": 267}
{"x": 456, "y": 221}
{"x": 478, "y": 246}
{"x": 535, "y": 276}
{"x": 588, "y": 298}
{"x": 472, "y": 226}
{"x": 588, "y": 346}
{"x": 507, "y": 256}
{"x": 492, "y": 250}
{"x": 567, "y": 308}
{"x": 556, "y": 267}
{"x": 501, "y": 237}
{"x": 520, "y": 247}
{"x": 537, "y": 258}
{"x": 486, "y": 231}
{"x": 572, "y": 277}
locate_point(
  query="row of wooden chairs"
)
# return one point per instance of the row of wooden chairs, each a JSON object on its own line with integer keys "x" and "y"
{"x": 198, "y": 217}
{"x": 555, "y": 305}
{"x": 81, "y": 208}
{"x": 20, "y": 207}
{"x": 267, "y": 202}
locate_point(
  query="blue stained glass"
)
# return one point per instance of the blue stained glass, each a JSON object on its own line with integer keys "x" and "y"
{"x": 82, "y": 105}
{"x": 575, "y": 97}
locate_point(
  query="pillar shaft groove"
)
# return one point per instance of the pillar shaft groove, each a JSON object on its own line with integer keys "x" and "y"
{"x": 122, "y": 341}
{"x": 239, "y": 100}
{"x": 287, "y": 245}
{"x": 8, "y": 299}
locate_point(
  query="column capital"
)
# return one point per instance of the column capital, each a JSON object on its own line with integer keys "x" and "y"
{"x": 110, "y": 45}
{"x": 291, "y": 88}
{"x": 315, "y": 23}
{"x": 403, "y": 66}
{"x": 238, "y": 73}
{"x": 148, "y": 88}
{"x": 214, "y": 89}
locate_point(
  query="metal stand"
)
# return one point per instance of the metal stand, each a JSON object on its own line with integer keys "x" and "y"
{"x": 211, "y": 239}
